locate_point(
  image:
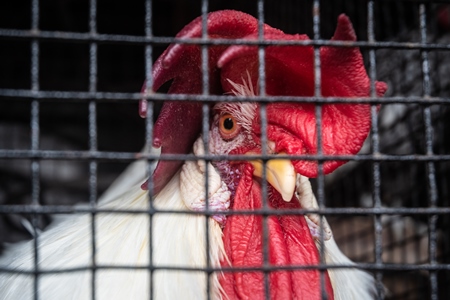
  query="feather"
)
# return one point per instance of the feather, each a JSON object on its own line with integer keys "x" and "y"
{"x": 121, "y": 240}
{"x": 348, "y": 284}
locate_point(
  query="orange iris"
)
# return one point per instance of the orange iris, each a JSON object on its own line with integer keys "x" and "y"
{"x": 228, "y": 126}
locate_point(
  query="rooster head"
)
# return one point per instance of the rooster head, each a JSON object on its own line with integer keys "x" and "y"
{"x": 236, "y": 129}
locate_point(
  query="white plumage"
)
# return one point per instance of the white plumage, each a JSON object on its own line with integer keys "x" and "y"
{"x": 121, "y": 240}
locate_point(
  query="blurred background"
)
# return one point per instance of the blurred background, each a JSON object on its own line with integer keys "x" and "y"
{"x": 64, "y": 66}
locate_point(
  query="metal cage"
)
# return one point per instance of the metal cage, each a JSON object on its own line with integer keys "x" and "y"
{"x": 72, "y": 70}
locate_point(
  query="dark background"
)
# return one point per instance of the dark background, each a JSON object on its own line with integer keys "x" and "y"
{"x": 64, "y": 66}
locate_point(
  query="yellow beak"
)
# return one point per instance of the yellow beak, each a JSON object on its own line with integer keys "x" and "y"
{"x": 280, "y": 174}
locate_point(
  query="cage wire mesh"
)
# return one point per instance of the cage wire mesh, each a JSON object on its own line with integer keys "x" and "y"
{"x": 72, "y": 70}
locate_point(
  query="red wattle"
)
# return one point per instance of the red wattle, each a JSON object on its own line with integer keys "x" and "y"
{"x": 289, "y": 241}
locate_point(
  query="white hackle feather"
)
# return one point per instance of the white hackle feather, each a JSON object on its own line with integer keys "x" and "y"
{"x": 121, "y": 240}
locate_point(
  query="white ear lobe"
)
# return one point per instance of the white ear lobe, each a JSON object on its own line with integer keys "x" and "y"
{"x": 192, "y": 183}
{"x": 192, "y": 186}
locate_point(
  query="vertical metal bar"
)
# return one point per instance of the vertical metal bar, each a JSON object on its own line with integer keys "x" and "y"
{"x": 205, "y": 130}
{"x": 378, "y": 227}
{"x": 149, "y": 136}
{"x": 151, "y": 209}
{"x": 263, "y": 115}
{"x": 35, "y": 132}
{"x": 205, "y": 134}
{"x": 432, "y": 188}
{"x": 93, "y": 137}
{"x": 93, "y": 204}
{"x": 318, "y": 115}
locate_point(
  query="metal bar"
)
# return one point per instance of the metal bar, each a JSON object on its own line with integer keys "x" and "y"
{"x": 205, "y": 134}
{"x": 360, "y": 266}
{"x": 432, "y": 189}
{"x": 68, "y": 209}
{"x": 131, "y": 156}
{"x": 35, "y": 130}
{"x": 151, "y": 210}
{"x": 93, "y": 139}
{"x": 149, "y": 139}
{"x": 59, "y": 36}
{"x": 318, "y": 115}
{"x": 109, "y": 97}
{"x": 378, "y": 227}
{"x": 263, "y": 117}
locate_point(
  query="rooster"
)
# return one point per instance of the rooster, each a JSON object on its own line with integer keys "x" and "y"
{"x": 235, "y": 240}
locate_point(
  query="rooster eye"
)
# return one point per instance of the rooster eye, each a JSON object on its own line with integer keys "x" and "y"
{"x": 228, "y": 126}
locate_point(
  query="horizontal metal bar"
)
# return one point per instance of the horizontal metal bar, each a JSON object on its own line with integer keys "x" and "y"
{"x": 131, "y": 156}
{"x": 67, "y": 209}
{"x": 73, "y": 155}
{"x": 60, "y": 36}
{"x": 263, "y": 268}
{"x": 127, "y": 97}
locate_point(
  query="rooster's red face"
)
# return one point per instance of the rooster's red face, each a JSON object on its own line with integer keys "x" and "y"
{"x": 236, "y": 129}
